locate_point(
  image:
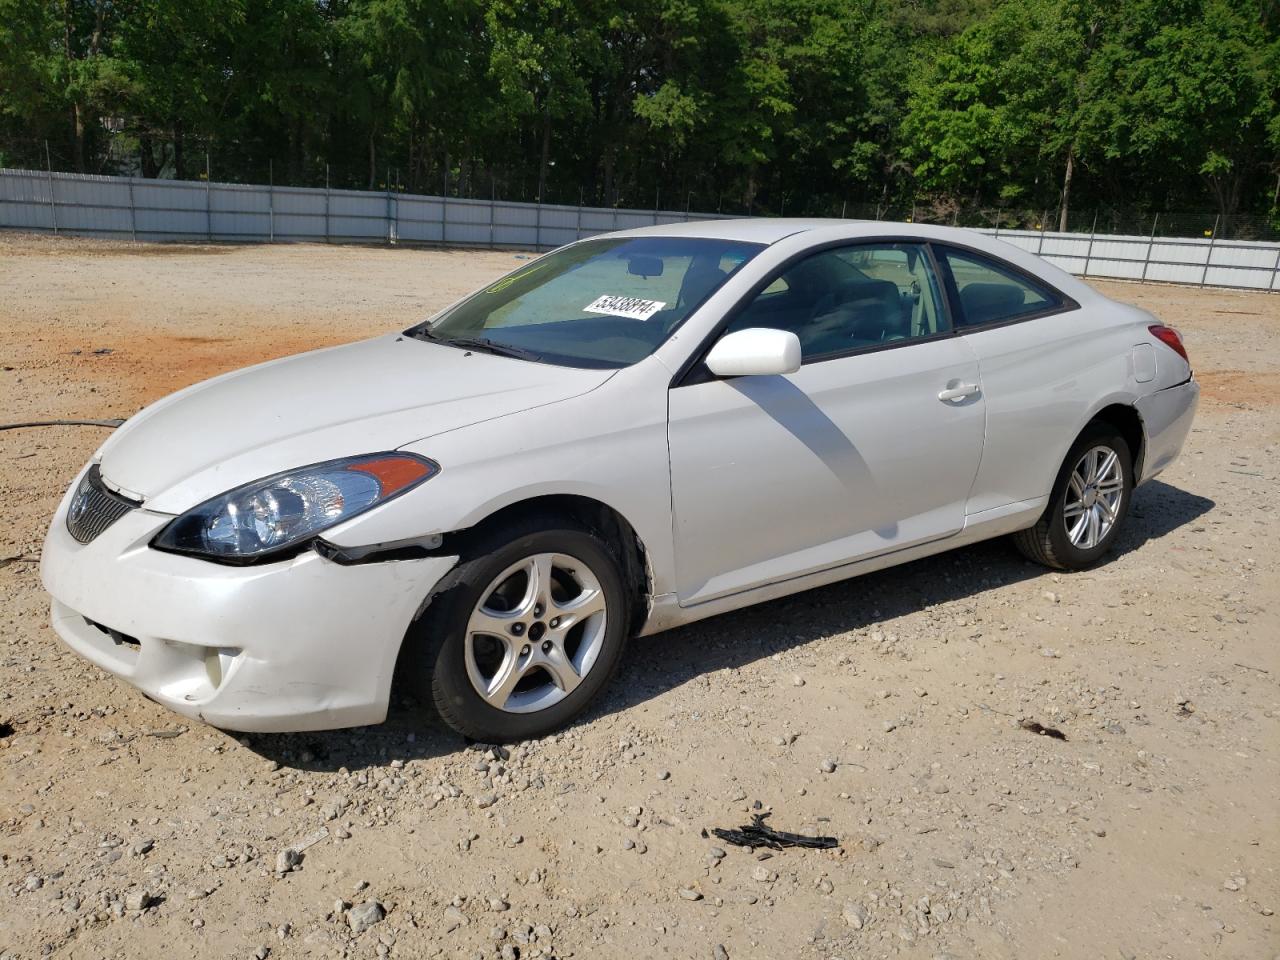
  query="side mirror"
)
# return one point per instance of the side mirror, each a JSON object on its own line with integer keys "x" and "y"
{"x": 755, "y": 352}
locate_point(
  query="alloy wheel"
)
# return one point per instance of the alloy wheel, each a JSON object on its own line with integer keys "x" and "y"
{"x": 535, "y": 633}
{"x": 1094, "y": 491}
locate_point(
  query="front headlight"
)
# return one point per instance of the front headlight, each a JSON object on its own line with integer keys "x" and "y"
{"x": 274, "y": 515}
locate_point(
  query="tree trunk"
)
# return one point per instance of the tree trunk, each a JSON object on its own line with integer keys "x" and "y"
{"x": 373, "y": 162}
{"x": 546, "y": 150}
{"x": 1226, "y": 191}
{"x": 413, "y": 180}
{"x": 77, "y": 130}
{"x": 150, "y": 169}
{"x": 1066, "y": 188}
{"x": 422, "y": 168}
{"x": 464, "y": 168}
{"x": 293, "y": 169}
{"x": 177, "y": 152}
{"x": 610, "y": 159}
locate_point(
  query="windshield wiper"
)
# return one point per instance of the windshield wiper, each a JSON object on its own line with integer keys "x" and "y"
{"x": 483, "y": 344}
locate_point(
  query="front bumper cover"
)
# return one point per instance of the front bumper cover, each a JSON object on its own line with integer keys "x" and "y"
{"x": 304, "y": 644}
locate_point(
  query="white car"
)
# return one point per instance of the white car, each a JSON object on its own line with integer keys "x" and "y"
{"x": 630, "y": 433}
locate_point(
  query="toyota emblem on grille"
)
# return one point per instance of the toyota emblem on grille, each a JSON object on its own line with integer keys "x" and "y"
{"x": 80, "y": 502}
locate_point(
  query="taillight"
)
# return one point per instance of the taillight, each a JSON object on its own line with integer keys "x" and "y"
{"x": 1170, "y": 338}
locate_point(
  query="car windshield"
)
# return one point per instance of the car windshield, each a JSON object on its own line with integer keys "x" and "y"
{"x": 599, "y": 303}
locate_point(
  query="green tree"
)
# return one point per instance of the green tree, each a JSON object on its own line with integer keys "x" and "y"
{"x": 1190, "y": 86}
{"x": 541, "y": 50}
{"x": 1002, "y": 106}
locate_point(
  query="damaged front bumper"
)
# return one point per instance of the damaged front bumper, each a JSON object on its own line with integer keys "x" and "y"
{"x": 304, "y": 644}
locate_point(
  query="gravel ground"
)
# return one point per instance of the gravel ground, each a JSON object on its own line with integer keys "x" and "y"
{"x": 884, "y": 711}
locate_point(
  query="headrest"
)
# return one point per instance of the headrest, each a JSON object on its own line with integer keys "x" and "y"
{"x": 699, "y": 280}
{"x": 990, "y": 301}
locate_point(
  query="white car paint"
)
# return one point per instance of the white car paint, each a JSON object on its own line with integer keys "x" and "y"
{"x": 319, "y": 406}
{"x": 863, "y": 443}
{"x": 739, "y": 490}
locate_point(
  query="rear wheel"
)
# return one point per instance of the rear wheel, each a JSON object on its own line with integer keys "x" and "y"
{"x": 1089, "y": 502}
{"x": 526, "y": 630}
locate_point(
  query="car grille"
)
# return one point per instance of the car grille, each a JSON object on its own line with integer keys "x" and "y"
{"x": 94, "y": 507}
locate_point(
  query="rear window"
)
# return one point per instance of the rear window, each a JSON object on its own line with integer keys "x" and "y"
{"x": 990, "y": 292}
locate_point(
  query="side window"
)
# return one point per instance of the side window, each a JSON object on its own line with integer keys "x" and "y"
{"x": 848, "y": 298}
{"x": 992, "y": 293}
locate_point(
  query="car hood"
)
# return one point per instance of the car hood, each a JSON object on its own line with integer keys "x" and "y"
{"x": 360, "y": 398}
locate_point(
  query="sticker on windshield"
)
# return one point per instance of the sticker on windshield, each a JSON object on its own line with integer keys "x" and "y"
{"x": 632, "y": 307}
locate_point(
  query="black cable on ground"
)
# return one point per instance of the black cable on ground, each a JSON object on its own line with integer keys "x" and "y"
{"x": 62, "y": 423}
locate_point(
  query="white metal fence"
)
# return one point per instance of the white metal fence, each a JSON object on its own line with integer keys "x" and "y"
{"x": 1205, "y": 261}
{"x": 142, "y": 209}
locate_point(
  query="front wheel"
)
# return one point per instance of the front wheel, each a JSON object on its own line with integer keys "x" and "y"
{"x": 526, "y": 630}
{"x": 1089, "y": 502}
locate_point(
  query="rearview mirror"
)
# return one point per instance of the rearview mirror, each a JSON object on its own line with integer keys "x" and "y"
{"x": 644, "y": 266}
{"x": 755, "y": 352}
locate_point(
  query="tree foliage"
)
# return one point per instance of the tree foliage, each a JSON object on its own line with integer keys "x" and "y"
{"x": 761, "y": 104}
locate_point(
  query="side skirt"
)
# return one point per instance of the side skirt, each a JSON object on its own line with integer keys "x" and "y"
{"x": 667, "y": 613}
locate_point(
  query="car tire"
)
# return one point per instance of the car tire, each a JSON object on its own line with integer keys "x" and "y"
{"x": 1057, "y": 540}
{"x": 496, "y": 571}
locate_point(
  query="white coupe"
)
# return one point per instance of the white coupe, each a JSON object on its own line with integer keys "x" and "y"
{"x": 632, "y": 432}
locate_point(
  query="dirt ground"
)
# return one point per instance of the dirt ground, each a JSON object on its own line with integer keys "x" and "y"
{"x": 1152, "y": 831}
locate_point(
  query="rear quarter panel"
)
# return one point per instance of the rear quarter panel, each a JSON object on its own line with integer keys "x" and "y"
{"x": 1043, "y": 380}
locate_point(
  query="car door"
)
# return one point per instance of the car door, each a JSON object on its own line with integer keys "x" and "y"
{"x": 1043, "y": 363}
{"x": 871, "y": 446}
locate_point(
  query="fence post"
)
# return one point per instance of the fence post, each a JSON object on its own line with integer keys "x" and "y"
{"x": 688, "y": 202}
{"x": 1088, "y": 254}
{"x": 1208, "y": 259}
{"x": 326, "y": 203}
{"x": 271, "y": 201}
{"x": 208, "y": 200}
{"x": 53, "y": 204}
{"x": 578, "y": 230}
{"x": 1151, "y": 242}
{"x": 1275, "y": 272}
{"x": 493, "y": 203}
{"x": 133, "y": 214}
{"x": 997, "y": 225}
{"x": 1040, "y": 245}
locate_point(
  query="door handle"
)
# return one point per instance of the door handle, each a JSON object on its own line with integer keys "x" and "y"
{"x": 959, "y": 391}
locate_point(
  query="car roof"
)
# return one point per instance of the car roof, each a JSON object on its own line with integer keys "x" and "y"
{"x": 745, "y": 229}
{"x": 771, "y": 230}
